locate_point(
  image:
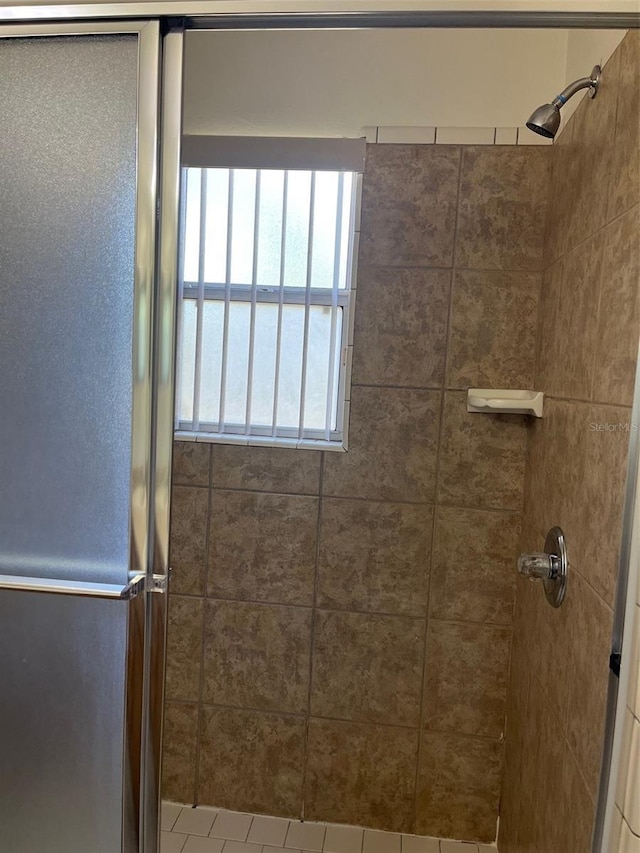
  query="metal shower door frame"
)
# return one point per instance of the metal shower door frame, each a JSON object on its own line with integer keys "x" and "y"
{"x": 148, "y": 36}
{"x": 164, "y": 346}
{"x": 152, "y": 418}
{"x": 343, "y": 14}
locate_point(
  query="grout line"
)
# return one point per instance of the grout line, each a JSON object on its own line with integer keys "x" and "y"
{"x": 582, "y": 402}
{"x": 435, "y": 389}
{"x": 411, "y": 617}
{"x": 329, "y": 719}
{"x": 182, "y": 485}
{"x": 499, "y": 271}
{"x": 586, "y": 239}
{"x": 314, "y": 611}
{"x": 311, "y": 495}
{"x": 430, "y": 503}
{"x": 203, "y": 634}
{"x": 258, "y": 601}
{"x": 423, "y": 700}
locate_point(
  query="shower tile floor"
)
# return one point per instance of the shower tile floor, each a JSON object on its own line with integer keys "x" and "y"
{"x": 206, "y": 830}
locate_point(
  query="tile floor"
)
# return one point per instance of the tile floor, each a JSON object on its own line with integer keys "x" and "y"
{"x": 206, "y": 830}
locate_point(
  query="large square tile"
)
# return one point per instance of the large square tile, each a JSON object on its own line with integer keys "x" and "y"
{"x": 459, "y": 787}
{"x": 466, "y": 678}
{"x": 252, "y": 761}
{"x": 502, "y": 208}
{"x": 263, "y": 547}
{"x": 361, "y": 774}
{"x": 482, "y": 458}
{"x": 257, "y": 655}
{"x": 367, "y": 667}
{"x": 493, "y": 329}
{"x": 401, "y": 327}
{"x": 393, "y": 439}
{"x": 374, "y": 556}
{"x": 409, "y": 205}
{"x": 473, "y": 574}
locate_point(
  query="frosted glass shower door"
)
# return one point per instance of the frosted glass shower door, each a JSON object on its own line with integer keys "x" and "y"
{"x": 78, "y": 140}
{"x": 67, "y": 219}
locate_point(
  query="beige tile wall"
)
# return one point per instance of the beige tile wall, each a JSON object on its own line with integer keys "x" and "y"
{"x": 340, "y": 624}
{"x": 588, "y": 339}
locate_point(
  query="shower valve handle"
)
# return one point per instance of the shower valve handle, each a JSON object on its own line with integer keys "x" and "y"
{"x": 551, "y": 566}
{"x": 539, "y": 565}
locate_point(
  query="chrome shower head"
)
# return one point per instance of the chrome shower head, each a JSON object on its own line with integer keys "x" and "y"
{"x": 546, "y": 119}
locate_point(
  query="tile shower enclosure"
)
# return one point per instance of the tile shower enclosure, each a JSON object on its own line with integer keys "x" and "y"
{"x": 341, "y": 624}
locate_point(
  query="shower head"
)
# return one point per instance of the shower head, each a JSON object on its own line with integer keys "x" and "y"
{"x": 546, "y": 119}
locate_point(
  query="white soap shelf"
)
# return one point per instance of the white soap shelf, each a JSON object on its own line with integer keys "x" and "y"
{"x": 499, "y": 400}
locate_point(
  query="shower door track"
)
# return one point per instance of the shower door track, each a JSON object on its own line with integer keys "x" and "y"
{"x": 225, "y": 15}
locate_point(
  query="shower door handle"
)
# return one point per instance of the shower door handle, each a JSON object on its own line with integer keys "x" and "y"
{"x": 137, "y": 585}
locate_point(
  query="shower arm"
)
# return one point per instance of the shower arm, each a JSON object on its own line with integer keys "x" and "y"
{"x": 590, "y": 83}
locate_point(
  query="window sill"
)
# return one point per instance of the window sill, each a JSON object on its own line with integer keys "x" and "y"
{"x": 260, "y": 441}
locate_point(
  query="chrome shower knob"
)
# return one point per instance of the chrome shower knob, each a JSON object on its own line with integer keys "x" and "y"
{"x": 550, "y": 566}
{"x": 540, "y": 565}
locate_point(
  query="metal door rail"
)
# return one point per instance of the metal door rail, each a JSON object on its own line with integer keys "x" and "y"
{"x": 137, "y": 585}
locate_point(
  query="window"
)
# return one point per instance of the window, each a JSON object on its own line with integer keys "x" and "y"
{"x": 266, "y": 290}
